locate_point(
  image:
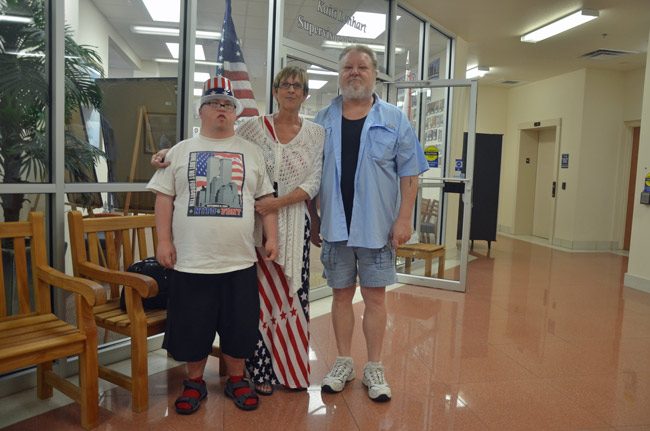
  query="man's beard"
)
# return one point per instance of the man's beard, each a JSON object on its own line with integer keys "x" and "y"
{"x": 358, "y": 93}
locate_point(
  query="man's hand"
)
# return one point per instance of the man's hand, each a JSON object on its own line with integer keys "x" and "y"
{"x": 158, "y": 159}
{"x": 314, "y": 231}
{"x": 400, "y": 232}
{"x": 166, "y": 254}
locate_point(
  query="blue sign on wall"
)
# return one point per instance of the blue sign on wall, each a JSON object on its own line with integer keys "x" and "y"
{"x": 564, "y": 164}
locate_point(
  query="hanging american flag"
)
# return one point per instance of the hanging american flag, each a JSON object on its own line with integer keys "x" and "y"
{"x": 233, "y": 66}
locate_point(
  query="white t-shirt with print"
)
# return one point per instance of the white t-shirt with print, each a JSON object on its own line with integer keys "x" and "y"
{"x": 214, "y": 183}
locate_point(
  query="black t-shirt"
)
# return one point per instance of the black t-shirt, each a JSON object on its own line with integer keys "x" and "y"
{"x": 350, "y": 144}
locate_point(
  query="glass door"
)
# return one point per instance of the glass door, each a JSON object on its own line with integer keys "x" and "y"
{"x": 441, "y": 111}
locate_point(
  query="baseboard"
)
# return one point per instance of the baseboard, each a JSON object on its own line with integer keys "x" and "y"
{"x": 586, "y": 245}
{"x": 505, "y": 229}
{"x": 109, "y": 354}
{"x": 636, "y": 282}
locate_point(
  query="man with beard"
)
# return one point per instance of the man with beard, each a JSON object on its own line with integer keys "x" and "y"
{"x": 371, "y": 162}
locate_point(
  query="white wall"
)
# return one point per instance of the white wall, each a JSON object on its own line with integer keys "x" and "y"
{"x": 633, "y": 94}
{"x": 492, "y": 109}
{"x": 638, "y": 272}
{"x": 559, "y": 97}
{"x": 602, "y": 132}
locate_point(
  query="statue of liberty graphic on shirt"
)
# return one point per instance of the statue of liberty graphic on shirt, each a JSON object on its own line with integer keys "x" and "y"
{"x": 215, "y": 180}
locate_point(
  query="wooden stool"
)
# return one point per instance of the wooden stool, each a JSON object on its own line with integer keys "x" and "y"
{"x": 423, "y": 251}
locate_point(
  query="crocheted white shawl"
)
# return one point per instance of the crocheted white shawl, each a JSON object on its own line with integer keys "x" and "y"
{"x": 297, "y": 163}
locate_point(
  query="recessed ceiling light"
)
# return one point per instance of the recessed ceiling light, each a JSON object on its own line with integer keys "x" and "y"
{"x": 364, "y": 25}
{"x": 316, "y": 84}
{"x": 201, "y": 76}
{"x": 199, "y": 54}
{"x": 563, "y": 24}
{"x": 164, "y": 10}
{"x": 476, "y": 72}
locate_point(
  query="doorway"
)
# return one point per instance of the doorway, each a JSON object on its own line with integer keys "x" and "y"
{"x": 636, "y": 131}
{"x": 537, "y": 180}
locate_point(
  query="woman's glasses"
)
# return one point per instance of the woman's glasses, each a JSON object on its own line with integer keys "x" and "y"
{"x": 226, "y": 106}
{"x": 287, "y": 85}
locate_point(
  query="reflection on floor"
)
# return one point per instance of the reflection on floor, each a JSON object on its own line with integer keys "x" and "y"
{"x": 543, "y": 339}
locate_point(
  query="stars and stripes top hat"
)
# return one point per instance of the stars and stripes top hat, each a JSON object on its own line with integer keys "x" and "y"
{"x": 220, "y": 87}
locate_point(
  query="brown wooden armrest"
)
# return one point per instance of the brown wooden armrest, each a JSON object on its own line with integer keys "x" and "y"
{"x": 92, "y": 292}
{"x": 144, "y": 286}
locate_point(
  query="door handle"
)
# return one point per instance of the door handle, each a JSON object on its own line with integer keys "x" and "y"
{"x": 553, "y": 189}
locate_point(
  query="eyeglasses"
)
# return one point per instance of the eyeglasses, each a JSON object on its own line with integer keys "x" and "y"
{"x": 226, "y": 106}
{"x": 288, "y": 85}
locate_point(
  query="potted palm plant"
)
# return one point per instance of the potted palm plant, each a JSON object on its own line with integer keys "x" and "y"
{"x": 24, "y": 97}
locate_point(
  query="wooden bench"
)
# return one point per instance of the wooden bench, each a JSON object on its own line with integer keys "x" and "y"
{"x": 35, "y": 336}
{"x": 423, "y": 251}
{"x": 102, "y": 248}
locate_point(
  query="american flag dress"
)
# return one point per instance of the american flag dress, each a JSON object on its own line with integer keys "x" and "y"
{"x": 282, "y": 350}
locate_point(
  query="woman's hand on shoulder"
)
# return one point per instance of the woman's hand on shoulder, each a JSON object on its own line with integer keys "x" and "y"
{"x": 158, "y": 160}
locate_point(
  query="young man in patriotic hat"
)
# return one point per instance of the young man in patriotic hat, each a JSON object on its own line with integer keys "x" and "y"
{"x": 205, "y": 220}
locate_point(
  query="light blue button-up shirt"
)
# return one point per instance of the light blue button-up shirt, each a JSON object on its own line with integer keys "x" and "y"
{"x": 389, "y": 150}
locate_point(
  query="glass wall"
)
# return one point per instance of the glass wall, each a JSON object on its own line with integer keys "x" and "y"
{"x": 125, "y": 95}
{"x": 326, "y": 27}
{"x": 24, "y": 97}
{"x": 408, "y": 42}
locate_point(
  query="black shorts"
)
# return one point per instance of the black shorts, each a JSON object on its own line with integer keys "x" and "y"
{"x": 202, "y": 305}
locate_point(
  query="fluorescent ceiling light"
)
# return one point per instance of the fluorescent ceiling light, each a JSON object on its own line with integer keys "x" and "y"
{"x": 201, "y": 76}
{"x": 562, "y": 24}
{"x": 199, "y": 54}
{"x": 198, "y": 62}
{"x": 476, "y": 72}
{"x": 320, "y": 71}
{"x": 16, "y": 18}
{"x": 202, "y": 34}
{"x": 157, "y": 31}
{"x": 198, "y": 91}
{"x": 164, "y": 10}
{"x": 341, "y": 45}
{"x": 169, "y": 31}
{"x": 316, "y": 84}
{"x": 364, "y": 25}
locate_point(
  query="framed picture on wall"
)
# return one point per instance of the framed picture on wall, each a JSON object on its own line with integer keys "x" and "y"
{"x": 160, "y": 132}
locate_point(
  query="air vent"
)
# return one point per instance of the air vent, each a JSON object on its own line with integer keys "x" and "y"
{"x": 509, "y": 82}
{"x": 600, "y": 54}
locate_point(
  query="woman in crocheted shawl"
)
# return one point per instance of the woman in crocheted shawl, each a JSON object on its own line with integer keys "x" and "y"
{"x": 292, "y": 148}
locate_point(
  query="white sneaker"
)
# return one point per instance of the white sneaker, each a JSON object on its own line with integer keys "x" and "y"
{"x": 373, "y": 378}
{"x": 341, "y": 373}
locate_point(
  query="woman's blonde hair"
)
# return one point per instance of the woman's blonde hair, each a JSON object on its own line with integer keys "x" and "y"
{"x": 292, "y": 72}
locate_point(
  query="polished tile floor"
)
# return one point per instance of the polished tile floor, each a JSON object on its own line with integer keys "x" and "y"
{"x": 543, "y": 339}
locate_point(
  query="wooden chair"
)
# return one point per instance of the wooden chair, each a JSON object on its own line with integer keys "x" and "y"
{"x": 35, "y": 336}
{"x": 102, "y": 248}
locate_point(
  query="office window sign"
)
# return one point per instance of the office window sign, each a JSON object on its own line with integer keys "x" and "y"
{"x": 330, "y": 25}
{"x": 564, "y": 164}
